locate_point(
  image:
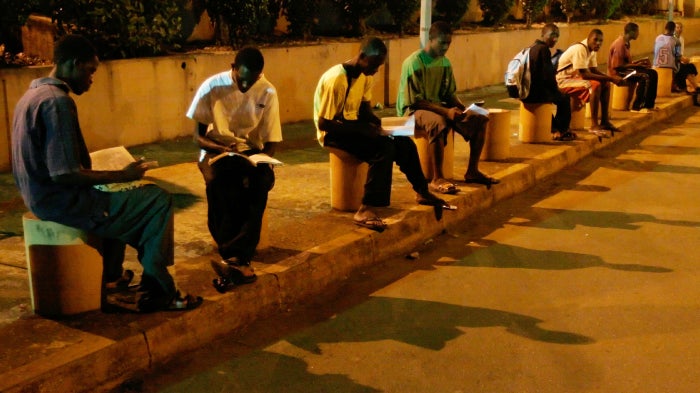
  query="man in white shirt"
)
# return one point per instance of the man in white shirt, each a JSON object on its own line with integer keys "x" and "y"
{"x": 579, "y": 62}
{"x": 237, "y": 111}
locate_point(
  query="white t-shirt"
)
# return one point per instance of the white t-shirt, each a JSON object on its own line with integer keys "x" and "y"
{"x": 666, "y": 52}
{"x": 253, "y": 115}
{"x": 575, "y": 58}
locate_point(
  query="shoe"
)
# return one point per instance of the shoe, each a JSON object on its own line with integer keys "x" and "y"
{"x": 121, "y": 283}
{"x": 641, "y": 110}
{"x": 149, "y": 302}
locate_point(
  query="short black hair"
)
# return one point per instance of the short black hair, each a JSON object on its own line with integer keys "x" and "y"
{"x": 595, "y": 32}
{"x": 439, "y": 27}
{"x": 630, "y": 27}
{"x": 373, "y": 46}
{"x": 73, "y": 47}
{"x": 251, "y": 57}
{"x": 670, "y": 26}
{"x": 549, "y": 27}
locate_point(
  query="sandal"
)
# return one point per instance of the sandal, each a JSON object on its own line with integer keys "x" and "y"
{"x": 373, "y": 223}
{"x": 566, "y": 136}
{"x": 443, "y": 186}
{"x": 481, "y": 179}
{"x": 610, "y": 127}
{"x": 429, "y": 199}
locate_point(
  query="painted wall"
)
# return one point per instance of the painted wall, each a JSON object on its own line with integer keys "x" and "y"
{"x": 141, "y": 101}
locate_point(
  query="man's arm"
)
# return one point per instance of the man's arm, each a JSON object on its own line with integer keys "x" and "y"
{"x": 269, "y": 148}
{"x": 453, "y": 110}
{"x": 208, "y": 144}
{"x": 367, "y": 114}
{"x": 352, "y": 128}
{"x": 594, "y": 74}
{"x": 88, "y": 177}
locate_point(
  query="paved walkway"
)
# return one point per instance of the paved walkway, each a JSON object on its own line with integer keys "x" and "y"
{"x": 312, "y": 248}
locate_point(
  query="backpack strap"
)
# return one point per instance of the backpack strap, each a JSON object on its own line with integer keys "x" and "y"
{"x": 572, "y": 64}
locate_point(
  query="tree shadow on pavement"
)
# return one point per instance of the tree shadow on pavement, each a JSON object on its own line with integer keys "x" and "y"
{"x": 492, "y": 254}
{"x": 425, "y": 324}
{"x": 264, "y": 371}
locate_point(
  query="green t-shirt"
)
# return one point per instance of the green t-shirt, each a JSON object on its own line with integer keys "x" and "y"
{"x": 424, "y": 78}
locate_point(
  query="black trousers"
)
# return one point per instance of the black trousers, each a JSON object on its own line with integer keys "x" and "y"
{"x": 683, "y": 72}
{"x": 646, "y": 87}
{"x": 380, "y": 153}
{"x": 562, "y": 120}
{"x": 236, "y": 198}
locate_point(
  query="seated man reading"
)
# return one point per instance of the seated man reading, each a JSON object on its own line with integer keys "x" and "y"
{"x": 344, "y": 120}
{"x": 427, "y": 89}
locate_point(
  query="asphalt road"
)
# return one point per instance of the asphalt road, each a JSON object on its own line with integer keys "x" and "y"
{"x": 586, "y": 283}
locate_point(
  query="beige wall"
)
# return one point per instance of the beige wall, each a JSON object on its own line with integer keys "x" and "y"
{"x": 144, "y": 100}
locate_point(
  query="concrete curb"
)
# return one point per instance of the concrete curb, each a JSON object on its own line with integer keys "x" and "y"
{"x": 101, "y": 362}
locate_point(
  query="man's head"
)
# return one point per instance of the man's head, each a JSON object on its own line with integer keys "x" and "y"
{"x": 439, "y": 39}
{"x": 679, "y": 29}
{"x": 632, "y": 30}
{"x": 247, "y": 67}
{"x": 595, "y": 40}
{"x": 75, "y": 62}
{"x": 670, "y": 27}
{"x": 372, "y": 55}
{"x": 550, "y": 34}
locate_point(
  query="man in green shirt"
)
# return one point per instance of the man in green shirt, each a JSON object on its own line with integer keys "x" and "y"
{"x": 427, "y": 89}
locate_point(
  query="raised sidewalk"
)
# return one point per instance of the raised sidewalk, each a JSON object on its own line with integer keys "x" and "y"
{"x": 311, "y": 249}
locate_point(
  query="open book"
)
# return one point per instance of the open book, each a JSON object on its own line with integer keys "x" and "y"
{"x": 254, "y": 159}
{"x": 115, "y": 159}
{"x": 398, "y": 126}
{"x": 630, "y": 74}
{"x": 477, "y": 109}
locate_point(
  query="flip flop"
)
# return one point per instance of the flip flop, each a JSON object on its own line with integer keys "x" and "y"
{"x": 432, "y": 200}
{"x": 610, "y": 127}
{"x": 443, "y": 187}
{"x": 483, "y": 179}
{"x": 373, "y": 223}
{"x": 567, "y": 136}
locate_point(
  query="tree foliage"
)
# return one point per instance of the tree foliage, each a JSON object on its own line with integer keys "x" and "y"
{"x": 451, "y": 11}
{"x": 120, "y": 28}
{"x": 301, "y": 15}
{"x": 237, "y": 21}
{"x": 495, "y": 11}
{"x": 401, "y": 11}
{"x": 355, "y": 12}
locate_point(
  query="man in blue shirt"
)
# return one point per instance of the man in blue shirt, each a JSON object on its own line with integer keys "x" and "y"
{"x": 53, "y": 170}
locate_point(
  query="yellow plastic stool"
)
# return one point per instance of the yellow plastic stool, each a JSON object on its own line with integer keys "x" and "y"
{"x": 620, "y": 98}
{"x": 535, "y": 122}
{"x": 64, "y": 267}
{"x": 448, "y": 158}
{"x": 348, "y": 178}
{"x": 497, "y": 143}
{"x": 665, "y": 81}
{"x": 578, "y": 118}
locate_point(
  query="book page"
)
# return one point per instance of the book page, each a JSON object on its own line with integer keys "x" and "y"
{"x": 115, "y": 159}
{"x": 264, "y": 159}
{"x": 399, "y": 126}
{"x": 111, "y": 159}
